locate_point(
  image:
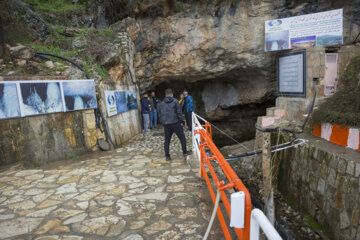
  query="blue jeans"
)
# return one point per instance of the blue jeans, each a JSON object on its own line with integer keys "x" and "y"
{"x": 146, "y": 122}
{"x": 153, "y": 117}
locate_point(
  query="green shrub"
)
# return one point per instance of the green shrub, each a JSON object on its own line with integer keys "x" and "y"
{"x": 343, "y": 108}
{"x": 55, "y": 6}
{"x": 179, "y": 6}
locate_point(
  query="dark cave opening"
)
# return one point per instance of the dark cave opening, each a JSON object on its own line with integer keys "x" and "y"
{"x": 238, "y": 121}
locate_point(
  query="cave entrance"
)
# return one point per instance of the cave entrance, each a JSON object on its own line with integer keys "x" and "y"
{"x": 238, "y": 121}
{"x": 177, "y": 86}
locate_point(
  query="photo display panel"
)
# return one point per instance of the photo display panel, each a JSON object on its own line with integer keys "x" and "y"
{"x": 79, "y": 95}
{"x": 41, "y": 98}
{"x": 9, "y": 100}
{"x": 30, "y": 98}
{"x": 120, "y": 101}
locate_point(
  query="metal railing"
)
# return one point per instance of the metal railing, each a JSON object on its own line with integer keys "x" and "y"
{"x": 258, "y": 219}
{"x": 208, "y": 154}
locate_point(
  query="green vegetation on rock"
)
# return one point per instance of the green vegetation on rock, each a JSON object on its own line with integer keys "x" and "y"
{"x": 179, "y": 6}
{"x": 87, "y": 54}
{"x": 55, "y": 6}
{"x": 317, "y": 227}
{"x": 343, "y": 108}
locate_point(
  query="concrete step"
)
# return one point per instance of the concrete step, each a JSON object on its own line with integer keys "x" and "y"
{"x": 272, "y": 122}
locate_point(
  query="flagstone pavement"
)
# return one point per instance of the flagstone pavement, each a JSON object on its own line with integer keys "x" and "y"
{"x": 131, "y": 193}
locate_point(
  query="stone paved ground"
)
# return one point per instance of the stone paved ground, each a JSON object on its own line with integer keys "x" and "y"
{"x": 131, "y": 194}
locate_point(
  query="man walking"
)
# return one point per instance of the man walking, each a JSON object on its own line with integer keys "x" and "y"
{"x": 153, "y": 114}
{"x": 145, "y": 111}
{"x": 189, "y": 108}
{"x": 169, "y": 111}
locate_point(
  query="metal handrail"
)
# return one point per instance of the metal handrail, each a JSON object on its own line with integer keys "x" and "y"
{"x": 259, "y": 220}
{"x": 233, "y": 181}
{"x": 253, "y": 219}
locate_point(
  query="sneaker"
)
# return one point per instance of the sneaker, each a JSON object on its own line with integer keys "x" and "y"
{"x": 188, "y": 153}
{"x": 168, "y": 158}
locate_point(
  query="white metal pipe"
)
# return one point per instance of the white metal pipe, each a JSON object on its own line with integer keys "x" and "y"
{"x": 200, "y": 117}
{"x": 301, "y": 141}
{"x": 258, "y": 219}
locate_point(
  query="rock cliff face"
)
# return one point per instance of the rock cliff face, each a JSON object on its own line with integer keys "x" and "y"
{"x": 215, "y": 47}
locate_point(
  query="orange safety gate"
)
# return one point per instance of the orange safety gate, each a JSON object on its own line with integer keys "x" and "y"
{"x": 232, "y": 178}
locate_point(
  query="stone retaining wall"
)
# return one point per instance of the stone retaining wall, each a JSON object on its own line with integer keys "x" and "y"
{"x": 44, "y": 138}
{"x": 39, "y": 139}
{"x": 323, "y": 180}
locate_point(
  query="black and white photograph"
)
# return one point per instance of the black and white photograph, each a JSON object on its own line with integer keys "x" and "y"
{"x": 41, "y": 98}
{"x": 9, "y": 101}
{"x": 79, "y": 95}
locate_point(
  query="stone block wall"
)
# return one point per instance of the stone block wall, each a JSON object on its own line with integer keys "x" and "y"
{"x": 44, "y": 138}
{"x": 40, "y": 139}
{"x": 323, "y": 180}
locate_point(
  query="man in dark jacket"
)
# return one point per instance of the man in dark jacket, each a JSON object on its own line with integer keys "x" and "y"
{"x": 153, "y": 114}
{"x": 169, "y": 111}
{"x": 145, "y": 111}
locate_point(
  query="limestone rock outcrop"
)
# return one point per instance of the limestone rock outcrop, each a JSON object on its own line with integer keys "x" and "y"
{"x": 218, "y": 42}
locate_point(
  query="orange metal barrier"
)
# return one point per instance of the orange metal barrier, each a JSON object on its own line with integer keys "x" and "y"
{"x": 213, "y": 154}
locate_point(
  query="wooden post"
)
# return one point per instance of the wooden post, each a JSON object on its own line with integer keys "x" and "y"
{"x": 266, "y": 171}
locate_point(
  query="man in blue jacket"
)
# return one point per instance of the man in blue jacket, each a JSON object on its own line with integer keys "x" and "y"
{"x": 189, "y": 108}
{"x": 145, "y": 111}
{"x": 170, "y": 113}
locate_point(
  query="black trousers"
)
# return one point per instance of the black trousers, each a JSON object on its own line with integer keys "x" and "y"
{"x": 179, "y": 131}
{"x": 188, "y": 119}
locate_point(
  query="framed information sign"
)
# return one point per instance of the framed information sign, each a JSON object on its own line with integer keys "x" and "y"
{"x": 291, "y": 74}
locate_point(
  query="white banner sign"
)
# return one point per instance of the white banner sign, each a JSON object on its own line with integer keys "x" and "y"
{"x": 317, "y": 29}
{"x": 110, "y": 103}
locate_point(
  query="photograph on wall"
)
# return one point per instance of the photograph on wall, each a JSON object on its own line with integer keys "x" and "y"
{"x": 329, "y": 40}
{"x": 120, "y": 98}
{"x": 131, "y": 100}
{"x": 9, "y": 101}
{"x": 316, "y": 29}
{"x": 79, "y": 95}
{"x": 303, "y": 42}
{"x": 41, "y": 98}
{"x": 277, "y": 40}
